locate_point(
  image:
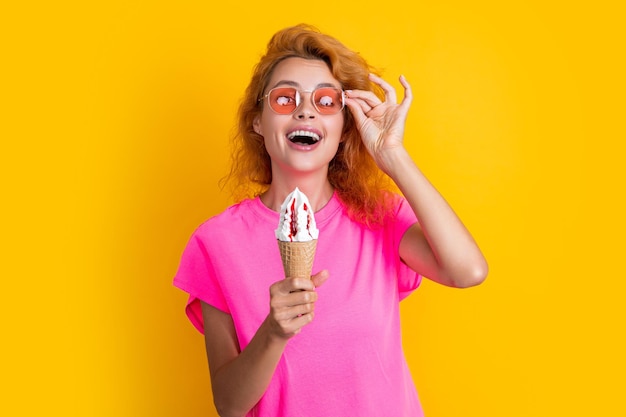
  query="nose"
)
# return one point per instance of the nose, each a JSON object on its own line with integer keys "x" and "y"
{"x": 303, "y": 114}
{"x": 306, "y": 110}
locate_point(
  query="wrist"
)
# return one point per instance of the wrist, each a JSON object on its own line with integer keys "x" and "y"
{"x": 273, "y": 335}
{"x": 395, "y": 160}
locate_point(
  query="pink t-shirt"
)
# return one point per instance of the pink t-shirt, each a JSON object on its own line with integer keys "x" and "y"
{"x": 349, "y": 360}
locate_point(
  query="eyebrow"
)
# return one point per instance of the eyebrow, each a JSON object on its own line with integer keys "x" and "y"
{"x": 295, "y": 84}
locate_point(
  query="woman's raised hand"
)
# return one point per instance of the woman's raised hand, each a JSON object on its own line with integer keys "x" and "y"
{"x": 381, "y": 123}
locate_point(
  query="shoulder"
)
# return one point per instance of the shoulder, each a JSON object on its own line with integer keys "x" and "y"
{"x": 393, "y": 201}
{"x": 239, "y": 221}
{"x": 391, "y": 209}
{"x": 227, "y": 219}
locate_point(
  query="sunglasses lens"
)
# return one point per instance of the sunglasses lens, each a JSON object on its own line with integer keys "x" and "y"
{"x": 284, "y": 100}
{"x": 328, "y": 100}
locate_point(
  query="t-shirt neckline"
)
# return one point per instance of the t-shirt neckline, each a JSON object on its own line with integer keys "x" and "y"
{"x": 321, "y": 216}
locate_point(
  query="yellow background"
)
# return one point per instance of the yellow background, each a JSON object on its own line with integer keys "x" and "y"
{"x": 115, "y": 118}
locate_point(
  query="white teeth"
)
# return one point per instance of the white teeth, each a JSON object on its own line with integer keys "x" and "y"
{"x": 303, "y": 133}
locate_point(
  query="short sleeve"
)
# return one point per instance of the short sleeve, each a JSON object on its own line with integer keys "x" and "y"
{"x": 408, "y": 280}
{"x": 196, "y": 276}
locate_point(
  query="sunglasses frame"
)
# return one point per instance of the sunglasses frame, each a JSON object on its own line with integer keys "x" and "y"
{"x": 300, "y": 101}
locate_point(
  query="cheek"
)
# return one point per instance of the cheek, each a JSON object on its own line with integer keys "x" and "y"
{"x": 348, "y": 122}
{"x": 270, "y": 123}
{"x": 339, "y": 126}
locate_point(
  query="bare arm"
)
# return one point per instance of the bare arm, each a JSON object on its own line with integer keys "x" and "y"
{"x": 239, "y": 378}
{"x": 439, "y": 247}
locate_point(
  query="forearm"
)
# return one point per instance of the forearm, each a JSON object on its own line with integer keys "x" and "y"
{"x": 239, "y": 384}
{"x": 459, "y": 261}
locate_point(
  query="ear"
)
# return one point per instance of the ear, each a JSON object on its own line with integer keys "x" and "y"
{"x": 256, "y": 125}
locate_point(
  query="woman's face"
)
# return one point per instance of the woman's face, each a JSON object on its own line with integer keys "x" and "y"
{"x": 305, "y": 140}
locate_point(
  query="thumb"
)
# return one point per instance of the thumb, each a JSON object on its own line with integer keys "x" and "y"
{"x": 319, "y": 278}
{"x": 356, "y": 111}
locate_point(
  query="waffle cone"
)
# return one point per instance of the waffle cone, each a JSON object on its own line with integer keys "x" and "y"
{"x": 297, "y": 258}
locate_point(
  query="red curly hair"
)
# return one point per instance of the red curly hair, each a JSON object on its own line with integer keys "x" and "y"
{"x": 359, "y": 183}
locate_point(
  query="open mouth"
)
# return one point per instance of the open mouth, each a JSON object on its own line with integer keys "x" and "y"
{"x": 303, "y": 137}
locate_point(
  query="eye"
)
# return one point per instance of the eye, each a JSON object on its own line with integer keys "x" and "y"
{"x": 326, "y": 101}
{"x": 283, "y": 97}
{"x": 284, "y": 100}
{"x": 327, "y": 98}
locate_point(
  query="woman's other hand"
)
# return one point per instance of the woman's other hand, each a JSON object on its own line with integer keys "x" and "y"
{"x": 292, "y": 304}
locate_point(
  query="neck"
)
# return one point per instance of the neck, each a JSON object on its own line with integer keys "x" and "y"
{"x": 319, "y": 193}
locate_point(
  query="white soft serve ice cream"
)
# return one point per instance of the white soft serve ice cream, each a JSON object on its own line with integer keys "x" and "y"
{"x": 297, "y": 222}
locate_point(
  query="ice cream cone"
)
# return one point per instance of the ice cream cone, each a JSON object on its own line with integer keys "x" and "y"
{"x": 297, "y": 258}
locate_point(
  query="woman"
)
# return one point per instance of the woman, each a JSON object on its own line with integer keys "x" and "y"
{"x": 314, "y": 117}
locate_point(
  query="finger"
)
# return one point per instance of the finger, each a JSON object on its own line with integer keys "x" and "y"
{"x": 296, "y": 324}
{"x": 302, "y": 297}
{"x": 390, "y": 92}
{"x": 301, "y": 310}
{"x": 300, "y": 283}
{"x": 408, "y": 92}
{"x": 295, "y": 284}
{"x": 368, "y": 97}
{"x": 357, "y": 111}
{"x": 362, "y": 104}
{"x": 293, "y": 326}
{"x": 320, "y": 278}
{"x": 296, "y": 298}
{"x": 286, "y": 314}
